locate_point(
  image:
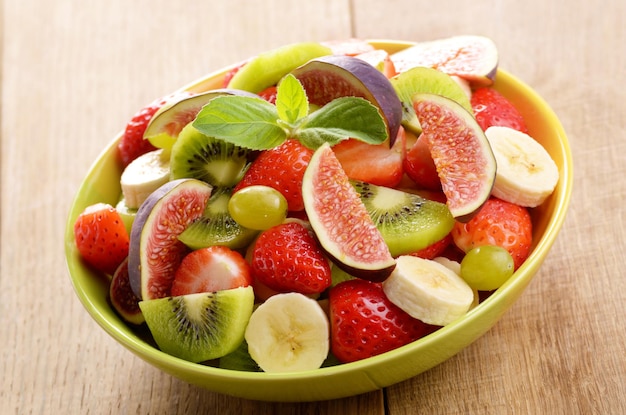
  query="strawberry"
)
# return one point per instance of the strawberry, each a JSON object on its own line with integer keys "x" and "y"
{"x": 211, "y": 269}
{"x": 375, "y": 164}
{"x": 269, "y": 94}
{"x": 418, "y": 164}
{"x": 282, "y": 168}
{"x": 287, "y": 258}
{"x": 497, "y": 223}
{"x": 364, "y": 323}
{"x": 492, "y": 108}
{"x": 101, "y": 237}
{"x": 132, "y": 143}
{"x": 435, "y": 249}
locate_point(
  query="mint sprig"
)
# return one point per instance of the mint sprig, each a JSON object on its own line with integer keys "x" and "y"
{"x": 254, "y": 123}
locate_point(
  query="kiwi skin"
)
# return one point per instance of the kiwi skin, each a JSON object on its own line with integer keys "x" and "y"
{"x": 198, "y": 156}
{"x": 407, "y": 222}
{"x": 201, "y": 326}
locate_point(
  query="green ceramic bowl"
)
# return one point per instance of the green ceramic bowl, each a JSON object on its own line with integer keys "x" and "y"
{"x": 102, "y": 185}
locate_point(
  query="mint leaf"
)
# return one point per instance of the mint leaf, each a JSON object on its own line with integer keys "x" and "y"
{"x": 342, "y": 118}
{"x": 244, "y": 121}
{"x": 291, "y": 100}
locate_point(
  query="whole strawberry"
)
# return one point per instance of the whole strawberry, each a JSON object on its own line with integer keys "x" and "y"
{"x": 364, "y": 323}
{"x": 101, "y": 237}
{"x": 497, "y": 223}
{"x": 282, "y": 168}
{"x": 287, "y": 258}
{"x": 132, "y": 143}
{"x": 492, "y": 108}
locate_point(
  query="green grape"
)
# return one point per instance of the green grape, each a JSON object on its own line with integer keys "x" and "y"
{"x": 258, "y": 207}
{"x": 486, "y": 268}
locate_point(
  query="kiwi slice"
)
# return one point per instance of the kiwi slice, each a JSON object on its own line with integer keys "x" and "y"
{"x": 198, "y": 156}
{"x": 216, "y": 226}
{"x": 202, "y": 326}
{"x": 407, "y": 222}
{"x": 425, "y": 80}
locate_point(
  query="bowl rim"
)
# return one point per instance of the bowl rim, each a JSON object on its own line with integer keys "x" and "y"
{"x": 511, "y": 288}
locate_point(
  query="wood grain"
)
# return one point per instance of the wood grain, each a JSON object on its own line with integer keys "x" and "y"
{"x": 73, "y": 72}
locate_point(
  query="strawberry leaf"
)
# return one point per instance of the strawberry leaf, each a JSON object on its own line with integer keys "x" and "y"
{"x": 244, "y": 121}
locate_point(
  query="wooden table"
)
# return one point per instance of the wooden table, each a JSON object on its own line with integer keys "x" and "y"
{"x": 72, "y": 74}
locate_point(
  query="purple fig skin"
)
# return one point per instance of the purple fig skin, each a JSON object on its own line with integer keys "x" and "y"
{"x": 123, "y": 298}
{"x": 335, "y": 76}
{"x": 142, "y": 216}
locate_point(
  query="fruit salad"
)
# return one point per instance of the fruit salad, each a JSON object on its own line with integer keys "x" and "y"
{"x": 329, "y": 203}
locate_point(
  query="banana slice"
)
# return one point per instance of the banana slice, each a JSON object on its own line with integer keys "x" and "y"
{"x": 143, "y": 176}
{"x": 288, "y": 332}
{"x": 428, "y": 290}
{"x": 526, "y": 174}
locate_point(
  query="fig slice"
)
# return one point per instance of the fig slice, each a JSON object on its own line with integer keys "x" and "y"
{"x": 122, "y": 297}
{"x": 330, "y": 77}
{"x": 340, "y": 220}
{"x": 155, "y": 251}
{"x": 463, "y": 157}
{"x": 473, "y": 58}
{"x": 169, "y": 120}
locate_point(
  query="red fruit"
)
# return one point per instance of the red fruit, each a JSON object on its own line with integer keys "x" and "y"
{"x": 436, "y": 249}
{"x": 269, "y": 94}
{"x": 211, "y": 269}
{"x": 287, "y": 258}
{"x": 281, "y": 168}
{"x": 364, "y": 323}
{"x": 419, "y": 166}
{"x": 229, "y": 75}
{"x": 497, "y": 223}
{"x": 492, "y": 108}
{"x": 101, "y": 237}
{"x": 122, "y": 297}
{"x": 132, "y": 143}
{"x": 374, "y": 164}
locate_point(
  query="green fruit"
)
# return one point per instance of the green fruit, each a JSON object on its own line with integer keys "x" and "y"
{"x": 258, "y": 207}
{"x": 487, "y": 267}
{"x": 127, "y": 214}
{"x": 195, "y": 155}
{"x": 216, "y": 226}
{"x": 407, "y": 222}
{"x": 425, "y": 80}
{"x": 202, "y": 326}
{"x": 461, "y": 152}
{"x": 268, "y": 68}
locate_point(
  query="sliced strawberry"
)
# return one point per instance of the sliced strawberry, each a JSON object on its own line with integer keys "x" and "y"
{"x": 211, "y": 269}
{"x": 375, "y": 164}
{"x": 492, "y": 108}
{"x": 497, "y": 223}
{"x": 101, "y": 237}
{"x": 132, "y": 143}
{"x": 434, "y": 250}
{"x": 287, "y": 258}
{"x": 418, "y": 164}
{"x": 281, "y": 168}
{"x": 364, "y": 323}
{"x": 269, "y": 94}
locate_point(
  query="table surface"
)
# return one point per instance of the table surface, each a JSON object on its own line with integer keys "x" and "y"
{"x": 73, "y": 72}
